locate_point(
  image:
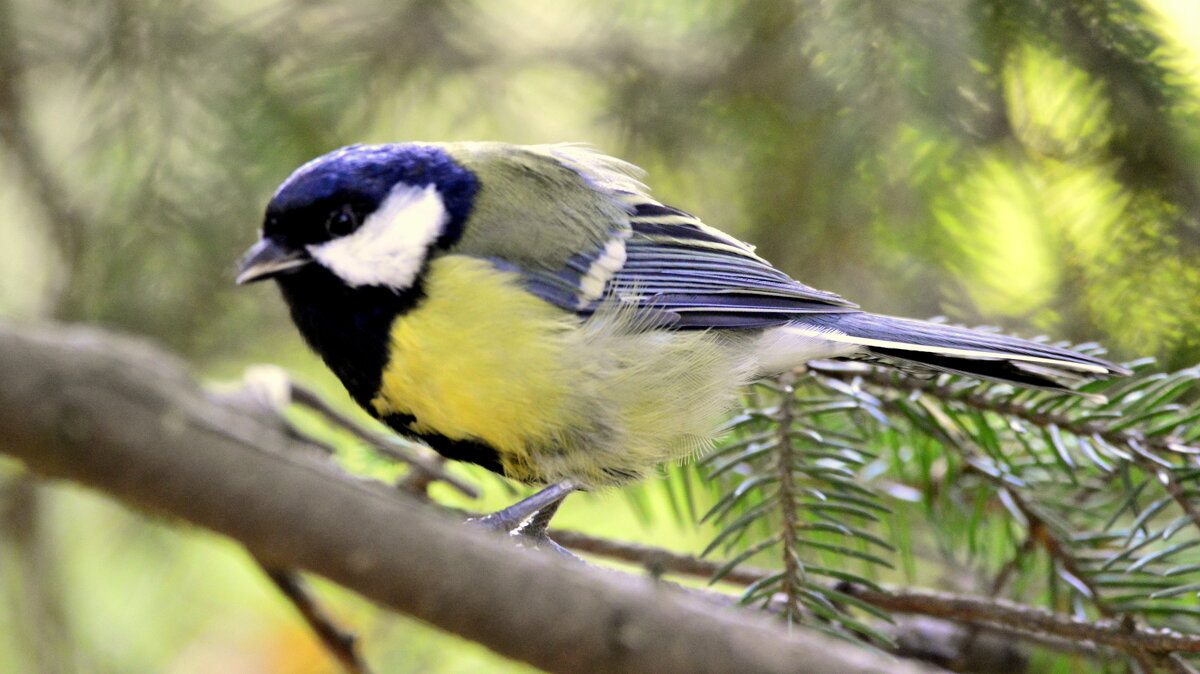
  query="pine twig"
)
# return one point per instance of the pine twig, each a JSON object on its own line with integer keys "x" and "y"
{"x": 1127, "y": 437}
{"x": 1115, "y": 633}
{"x": 651, "y": 557}
{"x": 1026, "y": 621}
{"x": 1171, "y": 484}
{"x": 1134, "y": 440}
{"x": 1176, "y": 665}
{"x": 1010, "y": 567}
{"x": 1041, "y": 532}
{"x": 793, "y": 569}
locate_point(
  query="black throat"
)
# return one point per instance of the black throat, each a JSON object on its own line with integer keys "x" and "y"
{"x": 348, "y": 327}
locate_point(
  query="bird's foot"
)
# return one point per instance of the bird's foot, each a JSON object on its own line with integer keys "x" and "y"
{"x": 543, "y": 541}
{"x": 528, "y": 520}
{"x": 527, "y": 536}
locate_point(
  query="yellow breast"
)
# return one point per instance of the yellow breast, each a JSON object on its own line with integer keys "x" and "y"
{"x": 480, "y": 358}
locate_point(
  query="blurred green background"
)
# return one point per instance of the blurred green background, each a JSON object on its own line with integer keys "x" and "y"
{"x": 1033, "y": 164}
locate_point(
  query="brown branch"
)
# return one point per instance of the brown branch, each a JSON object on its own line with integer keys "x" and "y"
{"x": 1010, "y": 567}
{"x": 653, "y": 558}
{"x": 341, "y": 644}
{"x": 940, "y": 642}
{"x": 1000, "y": 581}
{"x": 1043, "y": 533}
{"x": 1115, "y": 633}
{"x": 270, "y": 387}
{"x": 1175, "y": 490}
{"x": 125, "y": 418}
{"x": 1176, "y": 664}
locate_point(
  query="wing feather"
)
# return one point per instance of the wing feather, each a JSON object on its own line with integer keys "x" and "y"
{"x": 675, "y": 263}
{"x": 647, "y": 254}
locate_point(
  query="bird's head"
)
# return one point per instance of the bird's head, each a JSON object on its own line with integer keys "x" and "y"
{"x": 368, "y": 214}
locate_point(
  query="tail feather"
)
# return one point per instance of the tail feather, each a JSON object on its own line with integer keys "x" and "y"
{"x": 909, "y": 344}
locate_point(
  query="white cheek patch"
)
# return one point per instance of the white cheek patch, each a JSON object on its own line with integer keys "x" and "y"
{"x": 390, "y": 245}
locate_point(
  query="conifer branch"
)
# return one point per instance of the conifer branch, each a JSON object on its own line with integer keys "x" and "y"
{"x": 793, "y": 568}
{"x": 1130, "y": 438}
{"x": 969, "y": 610}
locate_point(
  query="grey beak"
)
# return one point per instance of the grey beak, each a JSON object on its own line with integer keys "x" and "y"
{"x": 268, "y": 258}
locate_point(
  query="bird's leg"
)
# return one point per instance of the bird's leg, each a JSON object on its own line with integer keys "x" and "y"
{"x": 511, "y": 518}
{"x": 529, "y": 518}
{"x": 535, "y": 535}
{"x": 536, "y": 526}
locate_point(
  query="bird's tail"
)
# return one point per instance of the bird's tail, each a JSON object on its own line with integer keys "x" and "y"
{"x": 922, "y": 345}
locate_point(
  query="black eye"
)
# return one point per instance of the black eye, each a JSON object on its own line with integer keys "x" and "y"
{"x": 341, "y": 222}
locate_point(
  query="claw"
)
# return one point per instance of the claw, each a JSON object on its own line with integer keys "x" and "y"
{"x": 527, "y": 520}
{"x": 543, "y": 542}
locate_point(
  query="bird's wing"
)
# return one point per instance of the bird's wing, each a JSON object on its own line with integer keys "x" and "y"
{"x": 677, "y": 264}
{"x": 667, "y": 262}
{"x": 598, "y": 237}
{"x": 551, "y": 213}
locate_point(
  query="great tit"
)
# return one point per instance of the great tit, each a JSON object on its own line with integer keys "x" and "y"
{"x": 532, "y": 309}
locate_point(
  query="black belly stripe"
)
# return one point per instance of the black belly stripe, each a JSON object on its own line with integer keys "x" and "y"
{"x": 468, "y": 451}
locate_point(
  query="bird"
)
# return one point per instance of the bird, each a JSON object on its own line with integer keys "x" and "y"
{"x": 534, "y": 310}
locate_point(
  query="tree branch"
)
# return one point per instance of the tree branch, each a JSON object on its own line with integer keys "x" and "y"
{"x": 1131, "y": 439}
{"x": 657, "y": 560}
{"x": 341, "y": 644}
{"x": 270, "y": 387}
{"x": 975, "y": 400}
{"x": 1027, "y": 622}
{"x": 1115, "y": 633}
{"x": 121, "y": 416}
